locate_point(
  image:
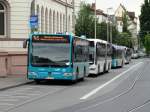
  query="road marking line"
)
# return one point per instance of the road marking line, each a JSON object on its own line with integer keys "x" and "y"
{"x": 19, "y": 97}
{"x": 6, "y": 104}
{"x": 7, "y": 100}
{"x": 107, "y": 83}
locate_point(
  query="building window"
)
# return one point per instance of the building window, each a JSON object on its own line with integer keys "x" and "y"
{"x": 38, "y": 14}
{"x": 50, "y": 22}
{"x": 69, "y": 22}
{"x": 54, "y": 22}
{"x": 33, "y": 7}
{"x": 57, "y": 23}
{"x": 61, "y": 23}
{"x": 46, "y": 21}
{"x": 2, "y": 19}
{"x": 42, "y": 20}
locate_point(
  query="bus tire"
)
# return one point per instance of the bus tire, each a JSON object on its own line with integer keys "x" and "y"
{"x": 108, "y": 67}
{"x": 37, "y": 81}
{"x": 104, "y": 68}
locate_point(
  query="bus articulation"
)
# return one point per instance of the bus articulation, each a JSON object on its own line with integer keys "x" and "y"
{"x": 57, "y": 57}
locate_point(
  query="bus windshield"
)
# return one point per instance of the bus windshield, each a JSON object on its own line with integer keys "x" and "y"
{"x": 50, "y": 53}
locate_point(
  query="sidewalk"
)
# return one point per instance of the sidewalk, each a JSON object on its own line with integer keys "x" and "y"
{"x": 13, "y": 81}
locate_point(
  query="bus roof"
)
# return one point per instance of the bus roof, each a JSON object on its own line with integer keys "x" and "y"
{"x": 119, "y": 47}
{"x": 72, "y": 36}
{"x": 98, "y": 40}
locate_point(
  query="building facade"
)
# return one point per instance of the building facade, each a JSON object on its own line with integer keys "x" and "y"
{"x": 101, "y": 16}
{"x": 53, "y": 16}
{"x": 131, "y": 21}
{"x": 119, "y": 13}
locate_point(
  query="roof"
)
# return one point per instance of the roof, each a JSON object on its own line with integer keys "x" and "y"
{"x": 119, "y": 47}
{"x": 98, "y": 40}
{"x": 131, "y": 15}
{"x": 98, "y": 11}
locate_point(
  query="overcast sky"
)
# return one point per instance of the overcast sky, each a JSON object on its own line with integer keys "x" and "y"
{"x": 131, "y": 5}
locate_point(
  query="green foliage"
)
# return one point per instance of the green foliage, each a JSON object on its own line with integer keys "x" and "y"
{"x": 145, "y": 19}
{"x": 85, "y": 24}
{"x": 85, "y": 21}
{"x": 124, "y": 39}
{"x": 115, "y": 33}
{"x": 147, "y": 44}
{"x": 102, "y": 31}
{"x": 125, "y": 23}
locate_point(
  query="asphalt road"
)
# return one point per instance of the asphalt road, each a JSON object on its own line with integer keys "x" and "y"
{"x": 121, "y": 90}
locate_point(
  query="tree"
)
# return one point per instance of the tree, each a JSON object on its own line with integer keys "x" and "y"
{"x": 125, "y": 23}
{"x": 85, "y": 21}
{"x": 124, "y": 39}
{"x": 145, "y": 19}
{"x": 102, "y": 31}
{"x": 85, "y": 24}
{"x": 115, "y": 33}
{"x": 147, "y": 44}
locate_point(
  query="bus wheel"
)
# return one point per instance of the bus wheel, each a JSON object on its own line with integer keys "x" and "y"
{"x": 37, "y": 81}
{"x": 109, "y": 67}
{"x": 104, "y": 68}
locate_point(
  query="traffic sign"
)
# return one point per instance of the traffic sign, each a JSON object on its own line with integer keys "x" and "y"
{"x": 34, "y": 21}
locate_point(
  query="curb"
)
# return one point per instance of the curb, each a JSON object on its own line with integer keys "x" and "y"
{"x": 15, "y": 85}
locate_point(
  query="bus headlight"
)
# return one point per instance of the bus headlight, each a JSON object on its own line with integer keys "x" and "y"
{"x": 32, "y": 74}
{"x": 67, "y": 74}
{"x": 93, "y": 68}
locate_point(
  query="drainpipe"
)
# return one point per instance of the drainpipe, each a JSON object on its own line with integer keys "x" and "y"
{"x": 66, "y": 17}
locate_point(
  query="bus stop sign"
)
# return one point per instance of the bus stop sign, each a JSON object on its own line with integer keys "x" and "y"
{"x": 34, "y": 21}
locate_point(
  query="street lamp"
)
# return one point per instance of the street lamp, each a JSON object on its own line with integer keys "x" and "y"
{"x": 95, "y": 20}
{"x": 110, "y": 8}
{"x": 108, "y": 28}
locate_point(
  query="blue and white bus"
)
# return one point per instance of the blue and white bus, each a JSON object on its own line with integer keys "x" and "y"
{"x": 99, "y": 56}
{"x": 57, "y": 57}
{"x": 118, "y": 56}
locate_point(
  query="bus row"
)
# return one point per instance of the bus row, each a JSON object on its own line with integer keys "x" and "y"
{"x": 68, "y": 57}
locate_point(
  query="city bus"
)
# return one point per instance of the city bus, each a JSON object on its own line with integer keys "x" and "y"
{"x": 118, "y": 56}
{"x": 99, "y": 56}
{"x": 57, "y": 57}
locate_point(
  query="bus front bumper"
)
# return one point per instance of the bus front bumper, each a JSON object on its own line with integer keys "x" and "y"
{"x": 52, "y": 76}
{"x": 93, "y": 69}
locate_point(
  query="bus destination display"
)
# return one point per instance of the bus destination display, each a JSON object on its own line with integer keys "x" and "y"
{"x": 51, "y": 38}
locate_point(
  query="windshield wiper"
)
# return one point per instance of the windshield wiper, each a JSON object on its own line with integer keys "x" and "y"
{"x": 41, "y": 64}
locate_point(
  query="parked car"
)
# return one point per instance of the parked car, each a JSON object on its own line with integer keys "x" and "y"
{"x": 135, "y": 56}
{"x": 141, "y": 54}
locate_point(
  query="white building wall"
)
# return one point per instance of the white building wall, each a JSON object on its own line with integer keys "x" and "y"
{"x": 20, "y": 15}
{"x": 101, "y": 18}
{"x": 119, "y": 13}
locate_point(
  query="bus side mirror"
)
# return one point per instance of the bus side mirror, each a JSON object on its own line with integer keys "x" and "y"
{"x": 25, "y": 43}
